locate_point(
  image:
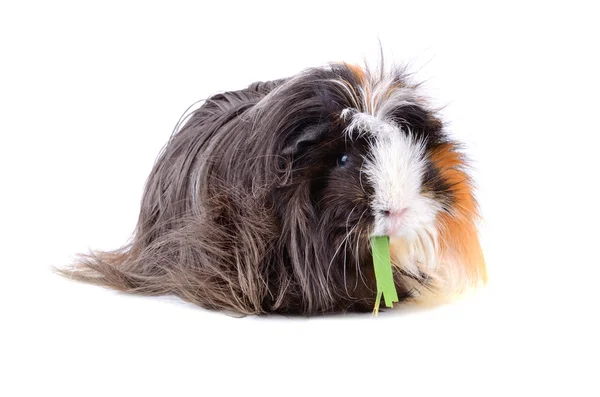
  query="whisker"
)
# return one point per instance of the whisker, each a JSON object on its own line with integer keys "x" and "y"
{"x": 358, "y": 271}
{"x": 339, "y": 247}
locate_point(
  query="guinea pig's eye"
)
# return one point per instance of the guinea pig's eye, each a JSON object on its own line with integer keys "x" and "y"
{"x": 342, "y": 160}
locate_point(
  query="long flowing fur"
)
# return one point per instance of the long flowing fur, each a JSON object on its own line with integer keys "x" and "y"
{"x": 236, "y": 214}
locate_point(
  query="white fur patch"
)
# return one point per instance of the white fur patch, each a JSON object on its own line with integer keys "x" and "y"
{"x": 395, "y": 167}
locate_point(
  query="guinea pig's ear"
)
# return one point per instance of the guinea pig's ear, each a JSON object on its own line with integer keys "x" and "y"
{"x": 307, "y": 136}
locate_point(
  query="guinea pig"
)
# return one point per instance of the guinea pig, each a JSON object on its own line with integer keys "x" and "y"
{"x": 265, "y": 200}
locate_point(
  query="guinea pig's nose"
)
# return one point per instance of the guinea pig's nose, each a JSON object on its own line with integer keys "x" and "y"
{"x": 394, "y": 214}
{"x": 394, "y": 221}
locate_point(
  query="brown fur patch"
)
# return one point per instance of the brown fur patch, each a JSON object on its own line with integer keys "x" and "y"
{"x": 458, "y": 234}
{"x": 358, "y": 72}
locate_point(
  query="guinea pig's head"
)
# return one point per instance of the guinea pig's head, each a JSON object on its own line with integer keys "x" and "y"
{"x": 364, "y": 155}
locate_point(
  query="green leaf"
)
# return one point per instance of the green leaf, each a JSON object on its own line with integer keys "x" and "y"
{"x": 380, "y": 246}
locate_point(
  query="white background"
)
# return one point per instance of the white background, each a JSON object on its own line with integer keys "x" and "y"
{"x": 90, "y": 93}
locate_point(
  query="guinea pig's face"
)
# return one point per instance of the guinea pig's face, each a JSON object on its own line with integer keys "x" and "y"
{"x": 370, "y": 170}
{"x": 374, "y": 180}
{"x": 395, "y": 168}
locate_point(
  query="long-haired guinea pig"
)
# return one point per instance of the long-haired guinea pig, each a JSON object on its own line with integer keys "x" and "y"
{"x": 266, "y": 199}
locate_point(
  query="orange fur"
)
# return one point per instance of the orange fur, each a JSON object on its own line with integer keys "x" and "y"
{"x": 458, "y": 234}
{"x": 361, "y": 77}
{"x": 358, "y": 72}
